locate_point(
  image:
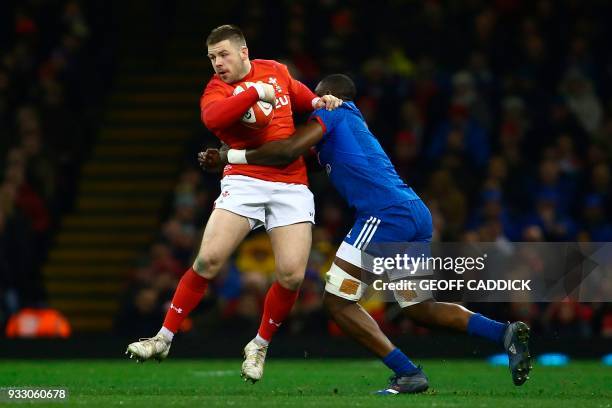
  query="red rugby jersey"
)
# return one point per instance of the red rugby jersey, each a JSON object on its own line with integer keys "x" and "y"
{"x": 221, "y": 112}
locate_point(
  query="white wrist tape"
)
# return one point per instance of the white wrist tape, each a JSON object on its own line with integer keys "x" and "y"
{"x": 315, "y": 101}
{"x": 260, "y": 90}
{"x": 235, "y": 156}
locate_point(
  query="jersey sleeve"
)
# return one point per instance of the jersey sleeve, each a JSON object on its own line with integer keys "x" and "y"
{"x": 327, "y": 119}
{"x": 301, "y": 96}
{"x": 219, "y": 111}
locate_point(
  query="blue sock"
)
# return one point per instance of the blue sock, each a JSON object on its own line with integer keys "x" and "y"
{"x": 399, "y": 363}
{"x": 484, "y": 327}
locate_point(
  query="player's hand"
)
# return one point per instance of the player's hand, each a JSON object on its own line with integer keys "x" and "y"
{"x": 212, "y": 160}
{"x": 329, "y": 102}
{"x": 270, "y": 95}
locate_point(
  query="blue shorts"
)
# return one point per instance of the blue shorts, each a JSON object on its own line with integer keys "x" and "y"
{"x": 409, "y": 222}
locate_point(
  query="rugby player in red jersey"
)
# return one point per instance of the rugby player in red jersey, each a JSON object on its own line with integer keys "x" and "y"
{"x": 275, "y": 197}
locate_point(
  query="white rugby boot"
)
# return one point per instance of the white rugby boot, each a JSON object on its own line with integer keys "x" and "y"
{"x": 254, "y": 360}
{"x": 145, "y": 349}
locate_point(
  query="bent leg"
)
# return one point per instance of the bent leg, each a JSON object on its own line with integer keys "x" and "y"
{"x": 223, "y": 232}
{"x": 343, "y": 289}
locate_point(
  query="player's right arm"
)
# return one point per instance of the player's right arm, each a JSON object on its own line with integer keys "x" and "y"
{"x": 284, "y": 152}
{"x": 276, "y": 153}
{"x": 219, "y": 111}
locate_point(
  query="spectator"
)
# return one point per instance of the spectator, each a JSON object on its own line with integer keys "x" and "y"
{"x": 582, "y": 100}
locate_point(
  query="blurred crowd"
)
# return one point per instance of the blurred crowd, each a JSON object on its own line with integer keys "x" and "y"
{"x": 49, "y": 91}
{"x": 498, "y": 113}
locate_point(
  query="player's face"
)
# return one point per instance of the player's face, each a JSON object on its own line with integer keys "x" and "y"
{"x": 229, "y": 60}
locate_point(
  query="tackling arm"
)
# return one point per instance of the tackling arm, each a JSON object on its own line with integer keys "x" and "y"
{"x": 276, "y": 153}
{"x": 284, "y": 152}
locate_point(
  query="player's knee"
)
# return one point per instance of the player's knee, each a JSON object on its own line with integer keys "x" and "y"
{"x": 208, "y": 264}
{"x": 291, "y": 281}
{"x": 290, "y": 274}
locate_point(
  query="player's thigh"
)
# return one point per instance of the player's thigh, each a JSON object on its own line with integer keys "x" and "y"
{"x": 291, "y": 246}
{"x": 344, "y": 280}
{"x": 223, "y": 233}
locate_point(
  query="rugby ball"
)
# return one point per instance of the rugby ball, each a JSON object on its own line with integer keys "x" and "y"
{"x": 259, "y": 115}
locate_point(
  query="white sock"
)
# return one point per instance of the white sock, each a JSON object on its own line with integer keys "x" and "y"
{"x": 260, "y": 341}
{"x": 167, "y": 334}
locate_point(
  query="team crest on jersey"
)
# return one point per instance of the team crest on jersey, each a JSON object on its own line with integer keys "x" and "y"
{"x": 272, "y": 81}
{"x": 281, "y": 100}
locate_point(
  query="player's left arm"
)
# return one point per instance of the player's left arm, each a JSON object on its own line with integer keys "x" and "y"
{"x": 304, "y": 100}
{"x": 276, "y": 153}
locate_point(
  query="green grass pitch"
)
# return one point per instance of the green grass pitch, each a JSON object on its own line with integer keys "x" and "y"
{"x": 310, "y": 383}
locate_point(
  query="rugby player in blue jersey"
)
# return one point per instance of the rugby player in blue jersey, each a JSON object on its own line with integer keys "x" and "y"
{"x": 387, "y": 211}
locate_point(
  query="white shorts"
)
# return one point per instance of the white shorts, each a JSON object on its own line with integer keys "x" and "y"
{"x": 268, "y": 203}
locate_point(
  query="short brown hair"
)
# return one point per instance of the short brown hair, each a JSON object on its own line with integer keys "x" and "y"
{"x": 226, "y": 32}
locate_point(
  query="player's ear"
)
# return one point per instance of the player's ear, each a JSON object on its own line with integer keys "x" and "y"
{"x": 244, "y": 53}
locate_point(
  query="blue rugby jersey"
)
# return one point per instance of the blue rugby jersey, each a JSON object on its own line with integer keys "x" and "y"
{"x": 356, "y": 164}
